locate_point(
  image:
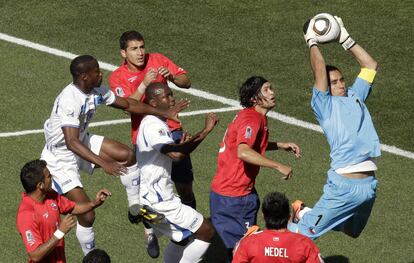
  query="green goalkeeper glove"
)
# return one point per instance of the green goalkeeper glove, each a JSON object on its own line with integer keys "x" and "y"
{"x": 309, "y": 34}
{"x": 344, "y": 39}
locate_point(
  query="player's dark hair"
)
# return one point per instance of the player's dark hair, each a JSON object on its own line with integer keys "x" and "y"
{"x": 330, "y": 68}
{"x": 276, "y": 210}
{"x": 152, "y": 90}
{"x": 129, "y": 36}
{"x": 82, "y": 64}
{"x": 97, "y": 256}
{"x": 250, "y": 89}
{"x": 32, "y": 174}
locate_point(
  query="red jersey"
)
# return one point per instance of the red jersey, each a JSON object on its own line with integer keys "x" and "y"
{"x": 235, "y": 177}
{"x": 124, "y": 83}
{"x": 273, "y": 246}
{"x": 36, "y": 223}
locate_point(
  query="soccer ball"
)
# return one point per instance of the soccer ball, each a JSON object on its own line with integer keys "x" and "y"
{"x": 326, "y": 28}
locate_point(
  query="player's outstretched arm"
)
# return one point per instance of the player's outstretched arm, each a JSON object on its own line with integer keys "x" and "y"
{"x": 178, "y": 151}
{"x": 287, "y": 146}
{"x": 101, "y": 196}
{"x": 73, "y": 143}
{"x": 67, "y": 223}
{"x": 318, "y": 68}
{"x": 363, "y": 58}
{"x": 137, "y": 107}
{"x": 247, "y": 154}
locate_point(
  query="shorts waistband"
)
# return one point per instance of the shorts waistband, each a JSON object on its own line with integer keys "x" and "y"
{"x": 345, "y": 179}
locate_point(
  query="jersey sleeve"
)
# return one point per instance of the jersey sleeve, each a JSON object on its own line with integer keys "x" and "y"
{"x": 68, "y": 113}
{"x": 65, "y": 205}
{"x": 313, "y": 254}
{"x": 247, "y": 130}
{"x": 240, "y": 253}
{"x": 321, "y": 104}
{"x": 118, "y": 85}
{"x": 172, "y": 67}
{"x": 363, "y": 83}
{"x": 105, "y": 96}
{"x": 156, "y": 135}
{"x": 29, "y": 230}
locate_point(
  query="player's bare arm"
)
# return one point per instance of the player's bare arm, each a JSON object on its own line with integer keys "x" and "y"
{"x": 247, "y": 154}
{"x": 137, "y": 107}
{"x": 150, "y": 76}
{"x": 67, "y": 223}
{"x": 318, "y": 68}
{"x": 364, "y": 59}
{"x": 73, "y": 143}
{"x": 287, "y": 146}
{"x": 100, "y": 198}
{"x": 178, "y": 151}
{"x": 181, "y": 80}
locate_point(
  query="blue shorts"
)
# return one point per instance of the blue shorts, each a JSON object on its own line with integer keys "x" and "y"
{"x": 345, "y": 205}
{"x": 181, "y": 171}
{"x": 232, "y": 216}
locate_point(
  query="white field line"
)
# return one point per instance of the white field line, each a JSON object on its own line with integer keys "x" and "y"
{"x": 113, "y": 122}
{"x": 195, "y": 92}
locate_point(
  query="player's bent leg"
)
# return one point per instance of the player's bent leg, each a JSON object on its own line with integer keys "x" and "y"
{"x": 205, "y": 232}
{"x": 84, "y": 229}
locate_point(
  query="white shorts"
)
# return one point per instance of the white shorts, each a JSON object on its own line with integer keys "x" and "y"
{"x": 64, "y": 165}
{"x": 180, "y": 222}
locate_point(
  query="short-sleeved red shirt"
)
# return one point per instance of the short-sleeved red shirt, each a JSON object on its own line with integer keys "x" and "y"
{"x": 235, "y": 177}
{"x": 36, "y": 223}
{"x": 273, "y": 246}
{"x": 124, "y": 83}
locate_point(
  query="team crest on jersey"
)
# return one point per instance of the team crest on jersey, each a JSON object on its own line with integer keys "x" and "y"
{"x": 70, "y": 113}
{"x": 132, "y": 79}
{"x": 162, "y": 132}
{"x": 54, "y": 206}
{"x": 30, "y": 238}
{"x": 119, "y": 91}
{"x": 312, "y": 231}
{"x": 248, "y": 133}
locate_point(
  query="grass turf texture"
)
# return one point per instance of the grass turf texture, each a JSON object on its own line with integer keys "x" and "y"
{"x": 220, "y": 43}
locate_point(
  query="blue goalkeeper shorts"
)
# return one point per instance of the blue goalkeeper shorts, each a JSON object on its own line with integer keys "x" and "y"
{"x": 345, "y": 205}
{"x": 232, "y": 216}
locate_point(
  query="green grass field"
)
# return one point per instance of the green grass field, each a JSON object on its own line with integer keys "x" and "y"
{"x": 220, "y": 43}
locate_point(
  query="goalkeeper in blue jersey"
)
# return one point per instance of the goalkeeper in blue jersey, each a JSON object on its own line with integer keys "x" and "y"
{"x": 349, "y": 192}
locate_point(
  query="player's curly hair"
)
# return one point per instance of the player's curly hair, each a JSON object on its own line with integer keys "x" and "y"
{"x": 250, "y": 89}
{"x": 32, "y": 174}
{"x": 128, "y": 36}
{"x": 276, "y": 210}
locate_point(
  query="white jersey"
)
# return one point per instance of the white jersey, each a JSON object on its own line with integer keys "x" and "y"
{"x": 73, "y": 108}
{"x": 155, "y": 184}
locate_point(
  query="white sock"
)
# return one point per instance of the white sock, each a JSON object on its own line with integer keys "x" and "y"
{"x": 194, "y": 251}
{"x": 303, "y": 211}
{"x": 131, "y": 183}
{"x": 86, "y": 238}
{"x": 148, "y": 231}
{"x": 173, "y": 253}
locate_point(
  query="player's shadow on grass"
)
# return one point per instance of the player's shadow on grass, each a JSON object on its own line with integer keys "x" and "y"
{"x": 336, "y": 259}
{"x": 216, "y": 252}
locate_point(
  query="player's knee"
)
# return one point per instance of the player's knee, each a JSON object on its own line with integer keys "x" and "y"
{"x": 206, "y": 231}
{"x": 86, "y": 219}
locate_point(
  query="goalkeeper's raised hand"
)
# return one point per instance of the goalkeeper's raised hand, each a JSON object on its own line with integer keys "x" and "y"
{"x": 309, "y": 34}
{"x": 344, "y": 39}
